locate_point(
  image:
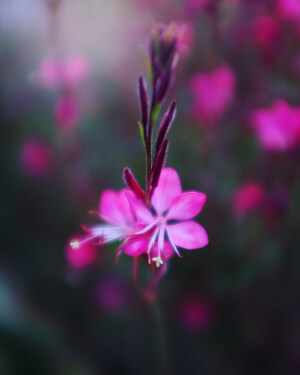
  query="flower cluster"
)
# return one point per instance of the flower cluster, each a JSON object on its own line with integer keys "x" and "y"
{"x": 154, "y": 222}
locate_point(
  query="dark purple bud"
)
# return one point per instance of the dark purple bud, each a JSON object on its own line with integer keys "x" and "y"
{"x": 143, "y": 97}
{"x": 159, "y": 164}
{"x": 132, "y": 184}
{"x": 164, "y": 84}
{"x": 162, "y": 48}
{"x": 165, "y": 125}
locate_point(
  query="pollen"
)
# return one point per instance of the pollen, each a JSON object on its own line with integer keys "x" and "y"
{"x": 158, "y": 261}
{"x": 75, "y": 244}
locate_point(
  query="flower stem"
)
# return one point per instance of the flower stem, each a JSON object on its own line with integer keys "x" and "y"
{"x": 161, "y": 345}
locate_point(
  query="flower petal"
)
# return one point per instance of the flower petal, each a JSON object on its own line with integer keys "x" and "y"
{"x": 114, "y": 208}
{"x": 139, "y": 209}
{"x": 186, "y": 205}
{"x": 167, "y": 189}
{"x": 188, "y": 235}
{"x": 136, "y": 245}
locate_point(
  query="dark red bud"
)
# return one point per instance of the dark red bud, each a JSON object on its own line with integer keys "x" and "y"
{"x": 159, "y": 164}
{"x": 143, "y": 98}
{"x": 132, "y": 184}
{"x": 165, "y": 125}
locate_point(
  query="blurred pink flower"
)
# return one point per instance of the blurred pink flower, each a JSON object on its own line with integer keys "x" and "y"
{"x": 193, "y": 6}
{"x": 196, "y": 313}
{"x": 53, "y": 72}
{"x": 266, "y": 30}
{"x": 35, "y": 158}
{"x": 67, "y": 112}
{"x": 289, "y": 9}
{"x": 160, "y": 235}
{"x": 82, "y": 256}
{"x": 278, "y": 128}
{"x": 111, "y": 295}
{"x": 212, "y": 94}
{"x": 248, "y": 197}
{"x": 186, "y": 37}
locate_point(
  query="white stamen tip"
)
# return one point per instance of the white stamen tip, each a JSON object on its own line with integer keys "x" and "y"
{"x": 158, "y": 261}
{"x": 75, "y": 244}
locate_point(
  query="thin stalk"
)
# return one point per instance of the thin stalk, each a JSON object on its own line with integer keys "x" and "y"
{"x": 161, "y": 345}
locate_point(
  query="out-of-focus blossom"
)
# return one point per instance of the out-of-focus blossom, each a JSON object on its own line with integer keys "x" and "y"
{"x": 35, "y": 158}
{"x": 196, "y": 314}
{"x": 248, "y": 197}
{"x": 67, "y": 112}
{"x": 53, "y": 72}
{"x": 278, "y": 128}
{"x": 186, "y": 38}
{"x": 289, "y": 9}
{"x": 266, "y": 30}
{"x": 111, "y": 295}
{"x": 193, "y": 6}
{"x": 80, "y": 257}
{"x": 170, "y": 224}
{"x": 212, "y": 94}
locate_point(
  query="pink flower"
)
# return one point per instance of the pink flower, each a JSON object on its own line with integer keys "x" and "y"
{"x": 35, "y": 158}
{"x": 278, "y": 127}
{"x": 67, "y": 112}
{"x": 196, "y": 314}
{"x": 169, "y": 225}
{"x": 193, "y": 6}
{"x": 289, "y": 9}
{"x": 212, "y": 94}
{"x": 186, "y": 37}
{"x": 80, "y": 257}
{"x": 52, "y": 72}
{"x": 119, "y": 220}
{"x": 248, "y": 197}
{"x": 265, "y": 30}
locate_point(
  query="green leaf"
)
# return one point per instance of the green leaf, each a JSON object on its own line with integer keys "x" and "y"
{"x": 142, "y": 133}
{"x": 155, "y": 113}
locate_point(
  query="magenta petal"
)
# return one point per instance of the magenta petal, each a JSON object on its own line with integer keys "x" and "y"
{"x": 167, "y": 189}
{"x": 188, "y": 235}
{"x": 186, "y": 205}
{"x": 139, "y": 209}
{"x": 115, "y": 209}
{"x": 136, "y": 245}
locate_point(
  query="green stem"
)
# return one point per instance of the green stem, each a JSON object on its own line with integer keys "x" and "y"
{"x": 161, "y": 346}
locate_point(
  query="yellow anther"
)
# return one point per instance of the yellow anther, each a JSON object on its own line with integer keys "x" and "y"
{"x": 158, "y": 261}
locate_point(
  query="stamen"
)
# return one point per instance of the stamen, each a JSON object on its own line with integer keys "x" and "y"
{"x": 158, "y": 261}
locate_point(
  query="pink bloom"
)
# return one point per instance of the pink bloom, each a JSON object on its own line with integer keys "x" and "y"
{"x": 265, "y": 30}
{"x": 67, "y": 112}
{"x": 52, "y": 72}
{"x": 248, "y": 197}
{"x": 35, "y": 158}
{"x": 278, "y": 127}
{"x": 170, "y": 226}
{"x": 186, "y": 37}
{"x": 193, "y": 6}
{"x": 212, "y": 93}
{"x": 80, "y": 257}
{"x": 289, "y": 9}
{"x": 196, "y": 314}
{"x": 119, "y": 220}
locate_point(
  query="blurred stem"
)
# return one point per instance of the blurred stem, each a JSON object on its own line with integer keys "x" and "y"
{"x": 162, "y": 352}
